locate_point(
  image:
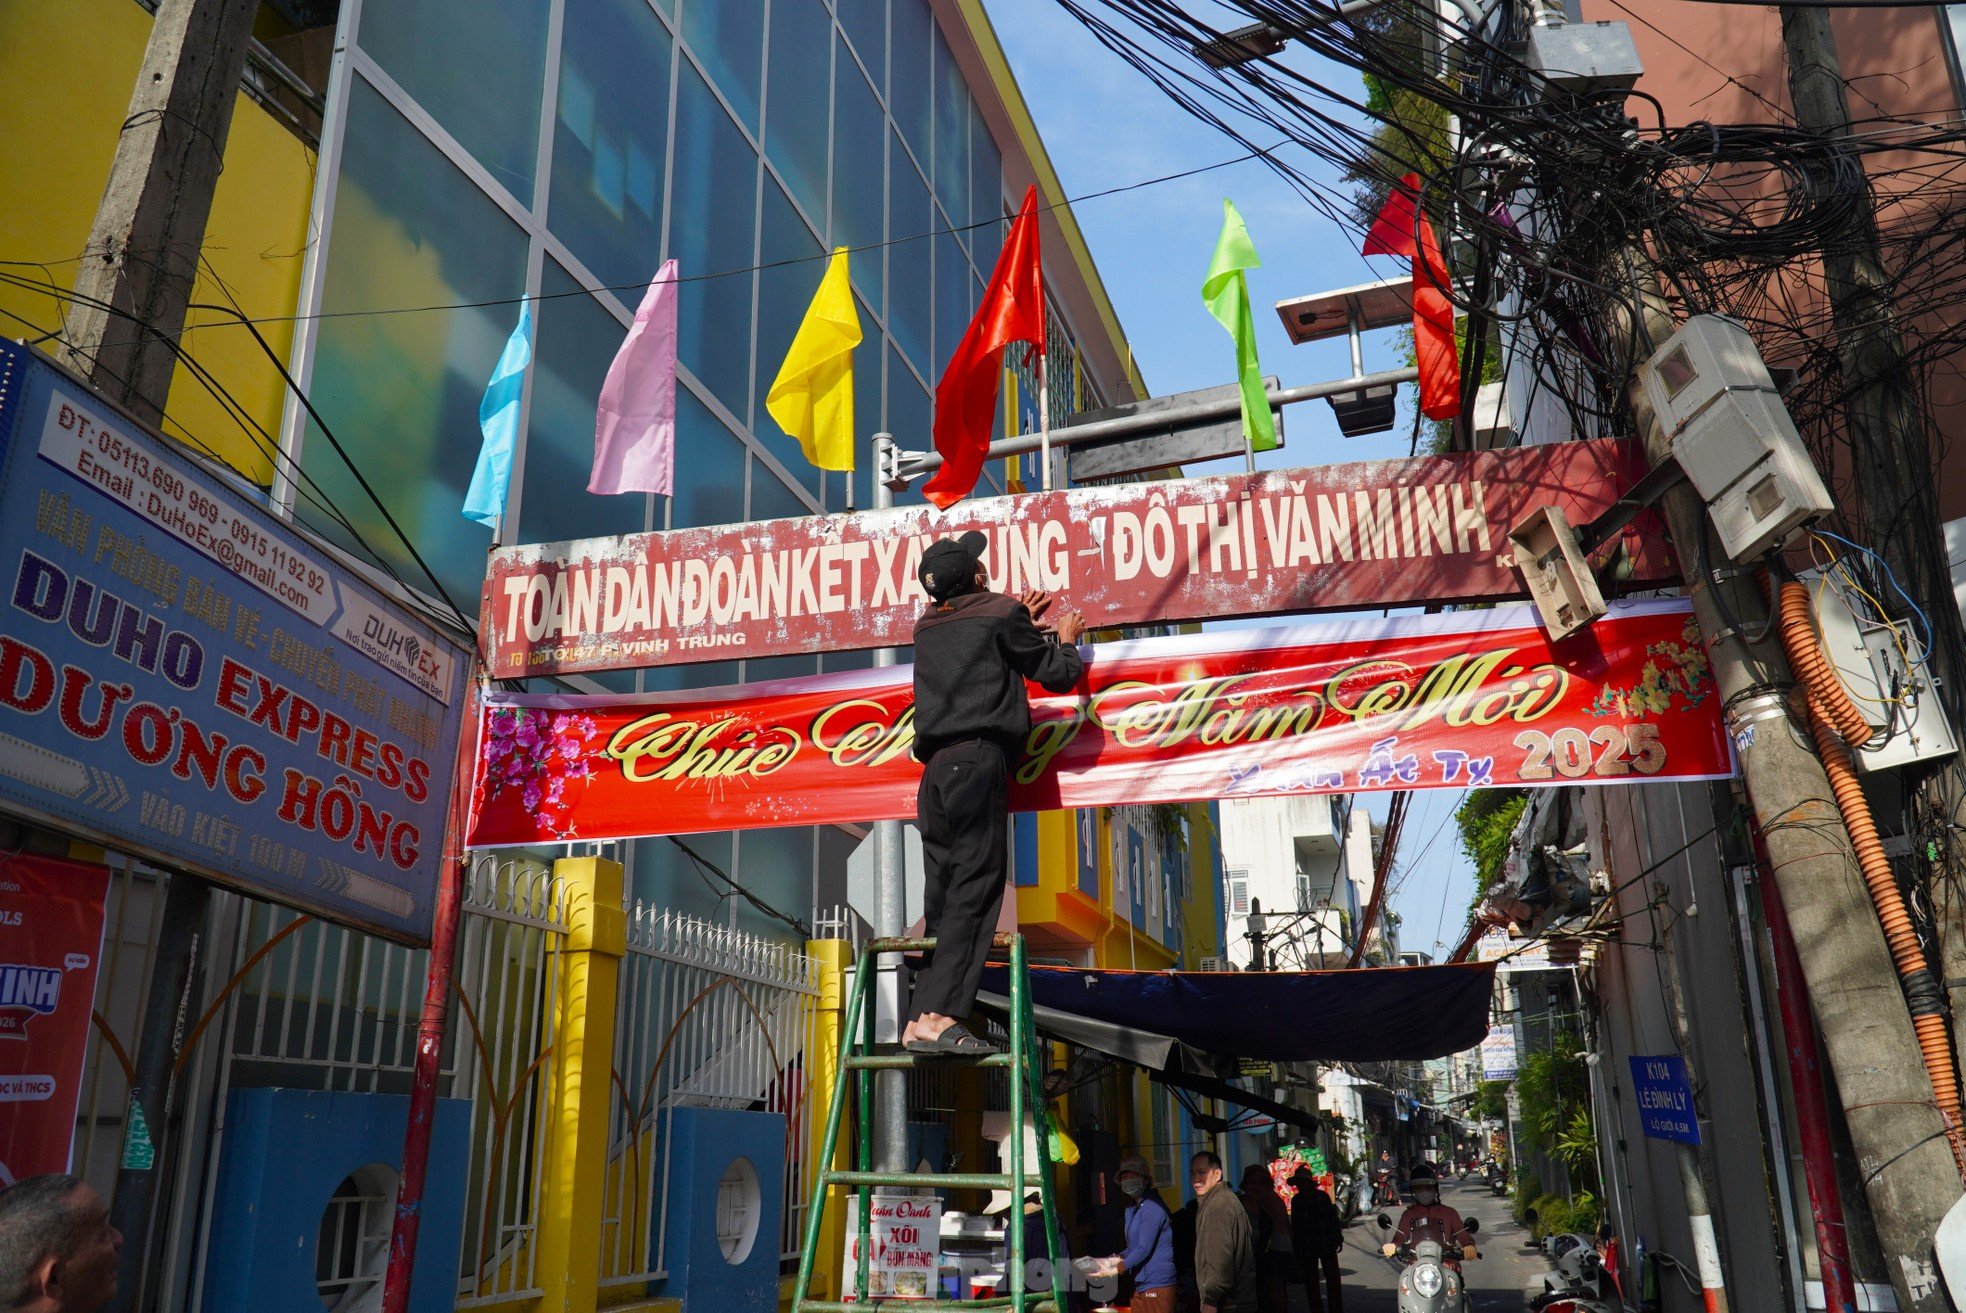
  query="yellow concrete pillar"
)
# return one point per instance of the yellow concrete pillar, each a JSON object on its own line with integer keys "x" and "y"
{"x": 574, "y": 1158}
{"x": 835, "y": 959}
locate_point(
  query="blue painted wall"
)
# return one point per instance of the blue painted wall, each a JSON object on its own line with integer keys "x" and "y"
{"x": 705, "y": 1142}
{"x": 285, "y": 1153}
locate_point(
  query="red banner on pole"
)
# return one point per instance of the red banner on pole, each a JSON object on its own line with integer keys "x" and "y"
{"x": 51, "y": 914}
{"x": 1443, "y": 701}
{"x": 1278, "y": 542}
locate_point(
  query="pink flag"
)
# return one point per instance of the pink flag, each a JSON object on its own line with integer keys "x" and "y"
{"x": 635, "y": 428}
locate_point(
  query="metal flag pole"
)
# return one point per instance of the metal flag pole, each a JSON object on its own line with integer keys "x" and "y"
{"x": 1044, "y": 416}
{"x": 890, "y": 911}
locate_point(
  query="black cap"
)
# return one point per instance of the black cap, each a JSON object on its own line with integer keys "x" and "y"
{"x": 949, "y": 565}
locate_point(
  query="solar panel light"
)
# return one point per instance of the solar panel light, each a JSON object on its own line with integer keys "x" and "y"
{"x": 1368, "y": 410}
{"x": 1351, "y": 312}
{"x": 1242, "y": 46}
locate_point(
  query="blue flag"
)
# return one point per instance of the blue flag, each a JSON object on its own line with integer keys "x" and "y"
{"x": 498, "y": 417}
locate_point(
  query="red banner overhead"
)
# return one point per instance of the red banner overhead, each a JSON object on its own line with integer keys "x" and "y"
{"x": 1328, "y": 538}
{"x": 1443, "y": 701}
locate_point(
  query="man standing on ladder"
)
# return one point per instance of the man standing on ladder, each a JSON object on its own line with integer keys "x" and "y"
{"x": 973, "y": 651}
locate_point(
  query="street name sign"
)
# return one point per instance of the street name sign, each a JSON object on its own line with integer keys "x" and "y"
{"x": 1433, "y": 529}
{"x": 1665, "y": 1098}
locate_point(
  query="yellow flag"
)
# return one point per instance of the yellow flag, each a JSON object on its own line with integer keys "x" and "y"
{"x": 812, "y": 397}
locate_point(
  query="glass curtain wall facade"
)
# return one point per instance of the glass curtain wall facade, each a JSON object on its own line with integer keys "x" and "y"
{"x": 560, "y": 150}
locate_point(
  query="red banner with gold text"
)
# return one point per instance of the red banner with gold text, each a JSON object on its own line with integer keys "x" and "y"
{"x": 1414, "y": 702}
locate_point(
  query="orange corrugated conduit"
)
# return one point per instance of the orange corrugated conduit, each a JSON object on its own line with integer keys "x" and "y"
{"x": 1812, "y": 664}
{"x": 1857, "y": 820}
{"x": 1837, "y": 726}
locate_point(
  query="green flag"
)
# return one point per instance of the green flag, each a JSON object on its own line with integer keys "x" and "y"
{"x": 1226, "y": 292}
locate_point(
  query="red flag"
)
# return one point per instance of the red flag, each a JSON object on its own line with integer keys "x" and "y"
{"x": 966, "y": 398}
{"x": 1402, "y": 229}
{"x": 1392, "y": 231}
{"x": 1433, "y": 331}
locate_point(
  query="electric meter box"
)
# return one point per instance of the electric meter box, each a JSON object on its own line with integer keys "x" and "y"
{"x": 1893, "y": 691}
{"x": 1732, "y": 435}
{"x": 1584, "y": 57}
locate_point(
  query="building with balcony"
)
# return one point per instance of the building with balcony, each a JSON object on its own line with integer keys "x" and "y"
{"x": 1303, "y": 867}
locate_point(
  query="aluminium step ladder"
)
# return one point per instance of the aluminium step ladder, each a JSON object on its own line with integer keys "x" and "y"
{"x": 858, "y": 1057}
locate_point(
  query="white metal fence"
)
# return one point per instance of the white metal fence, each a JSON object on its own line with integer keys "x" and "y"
{"x": 292, "y": 1002}
{"x": 708, "y": 1017}
{"x": 502, "y": 1044}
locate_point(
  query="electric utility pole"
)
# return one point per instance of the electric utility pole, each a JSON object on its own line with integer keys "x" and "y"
{"x": 1892, "y": 459}
{"x": 142, "y": 256}
{"x": 1909, "y": 1174}
{"x": 142, "y": 259}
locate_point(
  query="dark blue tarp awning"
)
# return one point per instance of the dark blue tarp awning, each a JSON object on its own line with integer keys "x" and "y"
{"x": 1375, "y": 1014}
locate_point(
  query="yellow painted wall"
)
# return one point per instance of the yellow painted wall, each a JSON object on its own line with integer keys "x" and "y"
{"x": 1054, "y": 909}
{"x": 1201, "y": 926}
{"x": 66, "y": 71}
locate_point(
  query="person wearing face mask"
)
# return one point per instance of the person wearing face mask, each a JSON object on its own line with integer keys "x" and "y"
{"x": 1427, "y": 1218}
{"x": 1149, "y": 1256}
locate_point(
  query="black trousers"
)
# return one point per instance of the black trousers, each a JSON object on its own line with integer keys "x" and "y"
{"x": 1325, "y": 1266}
{"x": 961, "y": 811}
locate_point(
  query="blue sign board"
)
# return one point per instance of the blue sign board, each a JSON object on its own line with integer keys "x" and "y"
{"x": 1664, "y": 1099}
{"x": 186, "y": 678}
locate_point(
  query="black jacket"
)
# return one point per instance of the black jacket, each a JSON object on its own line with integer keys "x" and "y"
{"x": 972, "y": 656}
{"x": 1315, "y": 1227}
{"x": 1225, "y": 1252}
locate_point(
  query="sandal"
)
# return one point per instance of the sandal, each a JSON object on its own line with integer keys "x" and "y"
{"x": 955, "y": 1042}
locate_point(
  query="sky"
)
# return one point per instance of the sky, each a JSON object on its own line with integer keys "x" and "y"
{"x": 1107, "y": 126}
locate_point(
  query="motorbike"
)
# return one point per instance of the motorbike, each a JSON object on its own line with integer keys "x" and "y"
{"x": 1385, "y": 1188}
{"x": 1498, "y": 1180}
{"x": 1432, "y": 1281}
{"x": 1345, "y": 1193}
{"x": 1577, "y": 1284}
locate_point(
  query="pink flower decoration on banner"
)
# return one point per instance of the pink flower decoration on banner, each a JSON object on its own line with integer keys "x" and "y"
{"x": 536, "y": 755}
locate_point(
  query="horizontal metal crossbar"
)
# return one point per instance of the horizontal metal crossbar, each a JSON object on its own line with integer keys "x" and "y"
{"x": 909, "y": 1061}
{"x": 927, "y": 1180}
{"x": 913, "y": 464}
{"x": 899, "y": 945}
{"x": 877, "y": 946}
